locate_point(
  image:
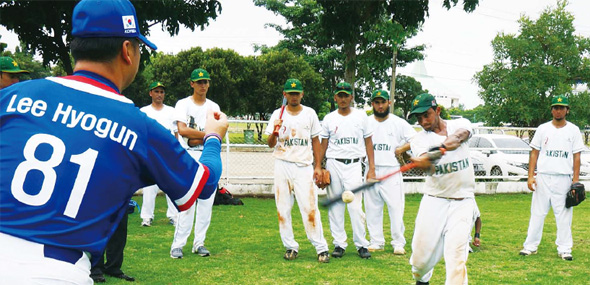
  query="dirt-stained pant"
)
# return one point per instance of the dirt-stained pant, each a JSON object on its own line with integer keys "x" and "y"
{"x": 294, "y": 181}
{"x": 345, "y": 177}
{"x": 550, "y": 193}
{"x": 149, "y": 203}
{"x": 390, "y": 192}
{"x": 442, "y": 229}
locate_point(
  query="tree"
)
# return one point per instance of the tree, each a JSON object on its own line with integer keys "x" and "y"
{"x": 26, "y": 61}
{"x": 544, "y": 60}
{"x": 48, "y": 31}
{"x": 406, "y": 89}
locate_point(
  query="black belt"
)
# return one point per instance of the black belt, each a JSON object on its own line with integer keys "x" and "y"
{"x": 348, "y": 161}
{"x": 64, "y": 254}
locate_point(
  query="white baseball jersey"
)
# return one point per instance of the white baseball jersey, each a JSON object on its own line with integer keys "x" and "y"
{"x": 188, "y": 112}
{"x": 294, "y": 141}
{"x": 557, "y": 147}
{"x": 346, "y": 134}
{"x": 453, "y": 176}
{"x": 165, "y": 116}
{"x": 387, "y": 136}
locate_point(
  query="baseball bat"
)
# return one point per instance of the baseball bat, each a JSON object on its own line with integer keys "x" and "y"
{"x": 277, "y": 127}
{"x": 432, "y": 156}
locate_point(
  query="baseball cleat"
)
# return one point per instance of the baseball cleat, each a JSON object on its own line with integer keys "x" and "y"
{"x": 526, "y": 252}
{"x": 376, "y": 247}
{"x": 324, "y": 257}
{"x": 172, "y": 221}
{"x": 146, "y": 223}
{"x": 338, "y": 252}
{"x": 364, "y": 253}
{"x": 176, "y": 253}
{"x": 422, "y": 283}
{"x": 399, "y": 250}
{"x": 201, "y": 250}
{"x": 290, "y": 254}
{"x": 566, "y": 256}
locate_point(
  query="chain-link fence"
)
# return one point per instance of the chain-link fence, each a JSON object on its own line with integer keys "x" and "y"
{"x": 247, "y": 159}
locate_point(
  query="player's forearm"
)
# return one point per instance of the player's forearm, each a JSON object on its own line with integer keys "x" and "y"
{"x": 478, "y": 226}
{"x": 403, "y": 148}
{"x": 577, "y": 163}
{"x": 191, "y": 133}
{"x": 370, "y": 152}
{"x": 211, "y": 158}
{"x": 315, "y": 147}
{"x": 271, "y": 140}
{"x": 323, "y": 148}
{"x": 533, "y": 162}
{"x": 455, "y": 140}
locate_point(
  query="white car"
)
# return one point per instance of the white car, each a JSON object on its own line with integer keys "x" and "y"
{"x": 501, "y": 155}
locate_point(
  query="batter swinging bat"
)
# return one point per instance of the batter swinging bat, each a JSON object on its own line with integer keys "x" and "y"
{"x": 277, "y": 127}
{"x": 432, "y": 156}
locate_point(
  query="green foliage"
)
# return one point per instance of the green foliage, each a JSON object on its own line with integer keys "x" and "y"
{"x": 45, "y": 26}
{"x": 246, "y": 249}
{"x": 579, "y": 111}
{"x": 406, "y": 89}
{"x": 544, "y": 60}
{"x": 26, "y": 61}
{"x": 474, "y": 115}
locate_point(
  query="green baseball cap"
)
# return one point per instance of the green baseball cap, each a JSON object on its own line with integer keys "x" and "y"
{"x": 560, "y": 100}
{"x": 199, "y": 74}
{"x": 293, "y": 85}
{"x": 380, "y": 94}
{"x": 343, "y": 87}
{"x": 9, "y": 65}
{"x": 422, "y": 103}
{"x": 156, "y": 84}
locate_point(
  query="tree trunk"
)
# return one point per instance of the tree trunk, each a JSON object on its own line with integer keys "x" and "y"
{"x": 392, "y": 89}
{"x": 350, "y": 64}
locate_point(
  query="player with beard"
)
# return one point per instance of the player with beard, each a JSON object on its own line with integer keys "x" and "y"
{"x": 391, "y": 138}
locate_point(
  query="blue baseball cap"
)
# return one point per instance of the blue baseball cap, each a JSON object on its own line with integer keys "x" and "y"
{"x": 106, "y": 18}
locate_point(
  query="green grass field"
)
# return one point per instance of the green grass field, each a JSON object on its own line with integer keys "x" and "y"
{"x": 246, "y": 249}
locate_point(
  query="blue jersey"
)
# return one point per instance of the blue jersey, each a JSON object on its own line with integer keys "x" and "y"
{"x": 73, "y": 152}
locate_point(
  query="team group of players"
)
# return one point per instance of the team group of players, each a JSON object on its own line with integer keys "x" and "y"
{"x": 74, "y": 151}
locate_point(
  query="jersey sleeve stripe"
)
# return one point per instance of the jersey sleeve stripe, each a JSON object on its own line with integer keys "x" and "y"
{"x": 185, "y": 202}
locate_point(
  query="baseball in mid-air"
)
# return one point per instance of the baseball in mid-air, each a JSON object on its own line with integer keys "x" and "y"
{"x": 347, "y": 196}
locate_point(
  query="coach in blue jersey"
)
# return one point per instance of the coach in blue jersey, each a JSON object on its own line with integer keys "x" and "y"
{"x": 74, "y": 151}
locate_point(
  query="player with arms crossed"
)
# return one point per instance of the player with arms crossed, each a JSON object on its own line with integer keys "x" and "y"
{"x": 557, "y": 147}
{"x": 296, "y": 147}
{"x": 445, "y": 216}
{"x": 164, "y": 115}
{"x": 191, "y": 119}
{"x": 391, "y": 137}
{"x": 346, "y": 139}
{"x": 74, "y": 150}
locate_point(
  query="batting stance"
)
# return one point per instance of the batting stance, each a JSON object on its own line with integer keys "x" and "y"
{"x": 391, "y": 137}
{"x": 444, "y": 219}
{"x": 191, "y": 119}
{"x": 346, "y": 139}
{"x": 557, "y": 147}
{"x": 74, "y": 151}
{"x": 164, "y": 115}
{"x": 295, "y": 148}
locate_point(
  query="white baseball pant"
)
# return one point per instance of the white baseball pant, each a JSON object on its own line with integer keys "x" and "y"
{"x": 293, "y": 181}
{"x": 24, "y": 262}
{"x": 391, "y": 192}
{"x": 442, "y": 229}
{"x": 345, "y": 177}
{"x": 185, "y": 220}
{"x": 149, "y": 203}
{"x": 550, "y": 193}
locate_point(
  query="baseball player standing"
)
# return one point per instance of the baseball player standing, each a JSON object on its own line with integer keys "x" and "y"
{"x": 346, "y": 139}
{"x": 9, "y": 71}
{"x": 191, "y": 118}
{"x": 557, "y": 147}
{"x": 164, "y": 115}
{"x": 74, "y": 151}
{"x": 295, "y": 148}
{"x": 391, "y": 136}
{"x": 445, "y": 216}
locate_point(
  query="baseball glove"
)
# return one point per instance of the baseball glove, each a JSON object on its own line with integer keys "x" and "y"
{"x": 324, "y": 180}
{"x": 576, "y": 195}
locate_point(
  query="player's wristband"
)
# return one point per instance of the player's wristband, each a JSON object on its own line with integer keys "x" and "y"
{"x": 209, "y": 135}
{"x": 476, "y": 235}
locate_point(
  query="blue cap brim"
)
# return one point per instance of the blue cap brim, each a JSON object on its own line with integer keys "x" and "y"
{"x": 147, "y": 43}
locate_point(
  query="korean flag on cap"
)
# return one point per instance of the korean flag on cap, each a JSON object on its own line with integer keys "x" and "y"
{"x": 129, "y": 24}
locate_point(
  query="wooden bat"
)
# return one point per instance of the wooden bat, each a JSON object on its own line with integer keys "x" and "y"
{"x": 277, "y": 127}
{"x": 432, "y": 156}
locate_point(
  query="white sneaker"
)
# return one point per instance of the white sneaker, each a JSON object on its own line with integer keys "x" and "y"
{"x": 526, "y": 252}
{"x": 376, "y": 247}
{"x": 566, "y": 256}
{"x": 398, "y": 250}
{"x": 146, "y": 223}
